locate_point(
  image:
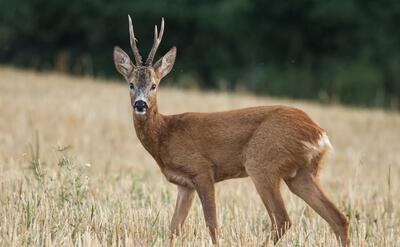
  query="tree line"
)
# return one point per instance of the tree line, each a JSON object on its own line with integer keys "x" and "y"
{"x": 344, "y": 51}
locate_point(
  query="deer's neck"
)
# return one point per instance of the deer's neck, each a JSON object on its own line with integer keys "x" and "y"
{"x": 148, "y": 130}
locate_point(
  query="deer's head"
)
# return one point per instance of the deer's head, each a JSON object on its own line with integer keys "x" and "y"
{"x": 143, "y": 79}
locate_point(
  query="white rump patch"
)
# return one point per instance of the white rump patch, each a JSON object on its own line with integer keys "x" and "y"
{"x": 313, "y": 149}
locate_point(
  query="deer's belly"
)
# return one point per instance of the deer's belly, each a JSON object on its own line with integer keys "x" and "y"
{"x": 177, "y": 178}
{"x": 229, "y": 172}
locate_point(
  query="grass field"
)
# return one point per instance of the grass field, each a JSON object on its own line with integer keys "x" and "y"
{"x": 87, "y": 181}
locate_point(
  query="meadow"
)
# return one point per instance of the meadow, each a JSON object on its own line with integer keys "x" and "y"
{"x": 73, "y": 173}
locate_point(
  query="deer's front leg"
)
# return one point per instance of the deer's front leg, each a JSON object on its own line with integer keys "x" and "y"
{"x": 184, "y": 202}
{"x": 204, "y": 186}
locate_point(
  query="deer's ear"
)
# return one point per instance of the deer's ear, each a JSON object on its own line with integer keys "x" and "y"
{"x": 122, "y": 62}
{"x": 164, "y": 65}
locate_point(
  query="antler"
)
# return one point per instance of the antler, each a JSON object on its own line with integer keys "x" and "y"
{"x": 133, "y": 40}
{"x": 156, "y": 43}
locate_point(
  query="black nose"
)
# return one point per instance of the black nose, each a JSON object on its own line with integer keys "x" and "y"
{"x": 140, "y": 105}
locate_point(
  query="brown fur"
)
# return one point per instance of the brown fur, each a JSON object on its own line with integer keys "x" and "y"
{"x": 196, "y": 150}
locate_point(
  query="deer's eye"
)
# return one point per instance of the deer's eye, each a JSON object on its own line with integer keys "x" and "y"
{"x": 131, "y": 86}
{"x": 153, "y": 86}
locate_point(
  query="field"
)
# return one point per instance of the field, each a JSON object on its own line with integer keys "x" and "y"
{"x": 72, "y": 171}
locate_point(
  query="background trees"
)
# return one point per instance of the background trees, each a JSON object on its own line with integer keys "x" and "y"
{"x": 343, "y": 50}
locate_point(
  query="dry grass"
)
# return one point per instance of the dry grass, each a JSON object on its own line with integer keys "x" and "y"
{"x": 49, "y": 195}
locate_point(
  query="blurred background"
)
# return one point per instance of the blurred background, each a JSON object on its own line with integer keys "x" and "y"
{"x": 343, "y": 51}
{"x": 73, "y": 173}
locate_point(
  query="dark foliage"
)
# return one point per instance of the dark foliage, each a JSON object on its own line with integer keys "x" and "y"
{"x": 344, "y": 50}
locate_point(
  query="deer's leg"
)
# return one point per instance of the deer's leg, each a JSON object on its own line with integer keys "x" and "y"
{"x": 204, "y": 186}
{"x": 184, "y": 202}
{"x": 269, "y": 191}
{"x": 306, "y": 186}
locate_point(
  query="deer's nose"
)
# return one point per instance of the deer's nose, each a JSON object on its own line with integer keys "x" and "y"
{"x": 140, "y": 105}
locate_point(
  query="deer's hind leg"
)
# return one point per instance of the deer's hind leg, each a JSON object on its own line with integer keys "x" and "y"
{"x": 306, "y": 185}
{"x": 268, "y": 187}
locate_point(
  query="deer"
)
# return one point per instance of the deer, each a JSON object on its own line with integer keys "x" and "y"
{"x": 194, "y": 151}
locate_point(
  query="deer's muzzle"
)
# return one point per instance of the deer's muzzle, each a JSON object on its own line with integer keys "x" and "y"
{"x": 140, "y": 107}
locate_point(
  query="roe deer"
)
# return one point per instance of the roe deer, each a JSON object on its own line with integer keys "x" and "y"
{"x": 195, "y": 150}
